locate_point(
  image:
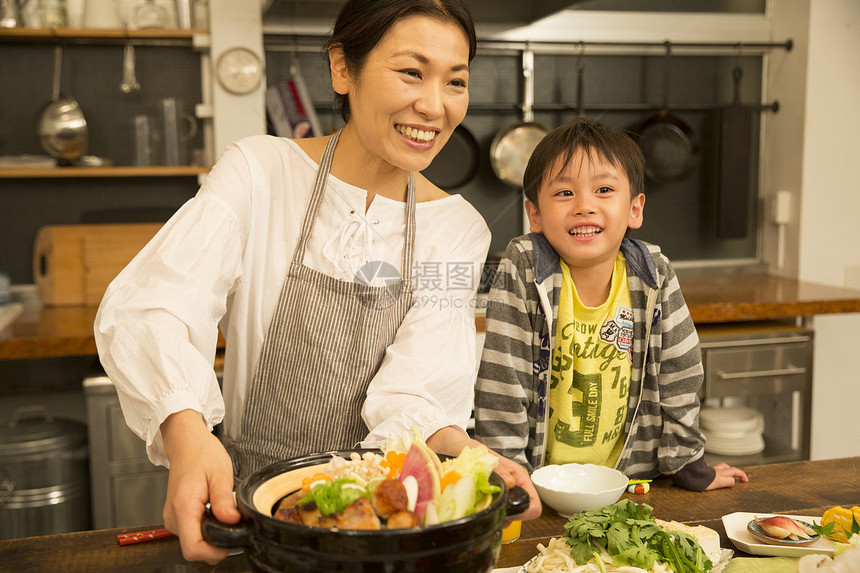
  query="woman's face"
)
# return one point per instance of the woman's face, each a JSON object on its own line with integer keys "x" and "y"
{"x": 411, "y": 93}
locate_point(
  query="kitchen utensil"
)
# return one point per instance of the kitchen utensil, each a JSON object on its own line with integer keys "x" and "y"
{"x": 736, "y": 125}
{"x": 129, "y": 78}
{"x": 29, "y": 13}
{"x": 44, "y": 480}
{"x": 141, "y": 536}
{"x": 470, "y": 544}
{"x": 671, "y": 153}
{"x": 457, "y": 163}
{"x": 62, "y": 127}
{"x": 290, "y": 108}
{"x": 73, "y": 264}
{"x": 145, "y": 140}
{"x": 183, "y": 14}
{"x": 512, "y": 146}
{"x": 177, "y": 128}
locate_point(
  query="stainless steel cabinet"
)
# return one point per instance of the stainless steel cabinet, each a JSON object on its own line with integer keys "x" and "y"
{"x": 767, "y": 366}
{"x": 127, "y": 490}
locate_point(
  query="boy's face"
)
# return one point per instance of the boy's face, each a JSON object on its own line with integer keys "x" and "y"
{"x": 585, "y": 209}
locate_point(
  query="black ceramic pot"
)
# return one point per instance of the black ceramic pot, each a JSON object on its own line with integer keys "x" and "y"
{"x": 468, "y": 545}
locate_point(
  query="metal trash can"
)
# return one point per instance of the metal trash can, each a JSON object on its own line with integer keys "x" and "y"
{"x": 44, "y": 475}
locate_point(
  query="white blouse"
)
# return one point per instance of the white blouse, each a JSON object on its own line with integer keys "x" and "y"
{"x": 221, "y": 261}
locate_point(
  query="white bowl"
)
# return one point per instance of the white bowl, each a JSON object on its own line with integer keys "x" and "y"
{"x": 572, "y": 488}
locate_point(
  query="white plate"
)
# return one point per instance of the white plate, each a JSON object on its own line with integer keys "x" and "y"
{"x": 725, "y": 557}
{"x": 736, "y": 530}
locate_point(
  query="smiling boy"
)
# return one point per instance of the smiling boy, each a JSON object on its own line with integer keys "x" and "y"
{"x": 591, "y": 355}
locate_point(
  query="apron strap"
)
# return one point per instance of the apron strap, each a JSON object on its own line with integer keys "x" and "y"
{"x": 409, "y": 240}
{"x": 316, "y": 196}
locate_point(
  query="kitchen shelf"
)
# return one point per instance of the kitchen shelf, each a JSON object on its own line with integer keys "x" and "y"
{"x": 130, "y": 171}
{"x": 106, "y": 35}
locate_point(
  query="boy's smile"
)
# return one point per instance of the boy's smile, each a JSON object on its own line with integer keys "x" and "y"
{"x": 585, "y": 209}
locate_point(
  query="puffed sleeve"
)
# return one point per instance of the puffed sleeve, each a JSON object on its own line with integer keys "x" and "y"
{"x": 157, "y": 326}
{"x": 427, "y": 376}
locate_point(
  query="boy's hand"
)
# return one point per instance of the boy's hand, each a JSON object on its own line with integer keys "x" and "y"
{"x": 726, "y": 476}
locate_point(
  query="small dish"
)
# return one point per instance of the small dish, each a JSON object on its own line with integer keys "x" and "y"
{"x": 755, "y": 529}
{"x": 737, "y": 532}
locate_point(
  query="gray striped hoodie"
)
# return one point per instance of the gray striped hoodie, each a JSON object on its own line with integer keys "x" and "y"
{"x": 662, "y": 427}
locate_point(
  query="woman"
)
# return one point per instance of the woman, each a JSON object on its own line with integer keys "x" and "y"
{"x": 340, "y": 276}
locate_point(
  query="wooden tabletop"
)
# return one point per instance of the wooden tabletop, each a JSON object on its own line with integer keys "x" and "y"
{"x": 795, "y": 488}
{"x": 799, "y": 488}
{"x": 52, "y": 331}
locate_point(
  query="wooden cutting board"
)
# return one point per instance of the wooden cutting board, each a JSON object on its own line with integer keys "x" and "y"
{"x": 73, "y": 264}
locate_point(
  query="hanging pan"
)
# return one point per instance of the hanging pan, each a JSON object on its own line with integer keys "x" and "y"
{"x": 513, "y": 145}
{"x": 671, "y": 153}
{"x": 734, "y": 177}
{"x": 457, "y": 163}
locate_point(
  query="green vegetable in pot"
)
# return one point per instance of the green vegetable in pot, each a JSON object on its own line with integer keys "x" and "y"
{"x": 333, "y": 496}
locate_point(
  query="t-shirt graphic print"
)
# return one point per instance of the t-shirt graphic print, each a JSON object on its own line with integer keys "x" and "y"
{"x": 591, "y": 368}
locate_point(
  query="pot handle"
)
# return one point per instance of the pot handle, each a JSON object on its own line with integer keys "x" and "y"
{"x": 226, "y": 535}
{"x": 518, "y": 501}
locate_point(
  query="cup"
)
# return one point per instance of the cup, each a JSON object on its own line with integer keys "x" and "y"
{"x": 145, "y": 141}
{"x": 178, "y": 129}
{"x": 512, "y": 532}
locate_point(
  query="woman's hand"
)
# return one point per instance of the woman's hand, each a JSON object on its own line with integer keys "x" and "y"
{"x": 200, "y": 472}
{"x": 726, "y": 476}
{"x": 451, "y": 440}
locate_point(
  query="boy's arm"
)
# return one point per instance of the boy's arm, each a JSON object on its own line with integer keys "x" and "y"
{"x": 504, "y": 386}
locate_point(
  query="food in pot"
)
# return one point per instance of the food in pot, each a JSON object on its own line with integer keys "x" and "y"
{"x": 625, "y": 537}
{"x": 407, "y": 486}
{"x": 782, "y": 527}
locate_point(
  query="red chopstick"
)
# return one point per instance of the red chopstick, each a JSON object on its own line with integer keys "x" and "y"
{"x": 141, "y": 536}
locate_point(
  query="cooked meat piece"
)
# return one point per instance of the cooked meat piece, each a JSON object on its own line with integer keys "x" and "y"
{"x": 402, "y": 520}
{"x": 389, "y": 497}
{"x": 309, "y": 513}
{"x": 290, "y": 514}
{"x": 359, "y": 515}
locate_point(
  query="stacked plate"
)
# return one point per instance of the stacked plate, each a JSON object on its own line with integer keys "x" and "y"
{"x": 732, "y": 431}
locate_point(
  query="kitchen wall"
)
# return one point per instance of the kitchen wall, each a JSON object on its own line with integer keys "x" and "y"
{"x": 828, "y": 211}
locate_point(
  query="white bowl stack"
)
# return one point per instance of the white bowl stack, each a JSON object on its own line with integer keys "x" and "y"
{"x": 732, "y": 431}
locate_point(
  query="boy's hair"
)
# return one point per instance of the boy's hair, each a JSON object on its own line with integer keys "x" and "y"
{"x": 609, "y": 143}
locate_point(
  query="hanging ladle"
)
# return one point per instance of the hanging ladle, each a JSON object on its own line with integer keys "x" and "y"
{"x": 129, "y": 80}
{"x": 62, "y": 127}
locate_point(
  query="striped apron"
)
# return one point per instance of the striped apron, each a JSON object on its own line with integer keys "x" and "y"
{"x": 325, "y": 343}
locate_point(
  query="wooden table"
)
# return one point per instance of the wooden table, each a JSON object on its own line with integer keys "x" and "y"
{"x": 800, "y": 488}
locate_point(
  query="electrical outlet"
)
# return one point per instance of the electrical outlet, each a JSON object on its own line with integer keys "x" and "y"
{"x": 781, "y": 212}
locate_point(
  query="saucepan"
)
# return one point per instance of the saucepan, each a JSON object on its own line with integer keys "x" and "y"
{"x": 467, "y": 545}
{"x": 62, "y": 127}
{"x": 457, "y": 163}
{"x": 513, "y": 146}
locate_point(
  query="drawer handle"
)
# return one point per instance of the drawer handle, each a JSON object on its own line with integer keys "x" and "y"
{"x": 760, "y": 373}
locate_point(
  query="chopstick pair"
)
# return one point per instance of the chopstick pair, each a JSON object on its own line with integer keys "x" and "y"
{"x": 141, "y": 536}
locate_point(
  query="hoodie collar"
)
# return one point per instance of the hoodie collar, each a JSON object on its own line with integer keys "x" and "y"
{"x": 546, "y": 259}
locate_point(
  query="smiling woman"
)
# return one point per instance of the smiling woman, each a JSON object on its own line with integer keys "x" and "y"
{"x": 274, "y": 250}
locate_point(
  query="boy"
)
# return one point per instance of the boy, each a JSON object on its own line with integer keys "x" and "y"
{"x": 591, "y": 355}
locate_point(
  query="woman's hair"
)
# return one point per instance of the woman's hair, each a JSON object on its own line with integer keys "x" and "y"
{"x": 362, "y": 23}
{"x": 592, "y": 137}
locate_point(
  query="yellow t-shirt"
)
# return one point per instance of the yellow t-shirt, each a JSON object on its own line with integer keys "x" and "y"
{"x": 591, "y": 367}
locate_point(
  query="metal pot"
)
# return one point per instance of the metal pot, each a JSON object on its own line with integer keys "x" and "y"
{"x": 467, "y": 545}
{"x": 62, "y": 127}
{"x": 44, "y": 475}
{"x": 513, "y": 146}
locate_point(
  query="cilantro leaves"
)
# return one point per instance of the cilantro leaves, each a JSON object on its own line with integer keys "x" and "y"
{"x": 632, "y": 536}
